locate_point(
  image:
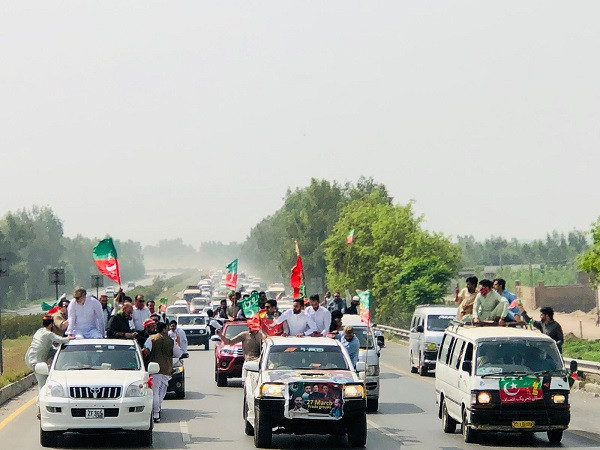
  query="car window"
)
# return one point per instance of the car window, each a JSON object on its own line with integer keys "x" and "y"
{"x": 445, "y": 349}
{"x": 517, "y": 356}
{"x": 191, "y": 320}
{"x": 456, "y": 353}
{"x": 439, "y": 322}
{"x": 468, "y": 357}
{"x": 306, "y": 357}
{"x": 98, "y": 357}
{"x": 361, "y": 333}
{"x": 233, "y": 330}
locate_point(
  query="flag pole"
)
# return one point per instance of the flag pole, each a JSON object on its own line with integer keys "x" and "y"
{"x": 303, "y": 276}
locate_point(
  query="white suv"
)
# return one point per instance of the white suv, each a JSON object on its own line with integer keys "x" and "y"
{"x": 96, "y": 384}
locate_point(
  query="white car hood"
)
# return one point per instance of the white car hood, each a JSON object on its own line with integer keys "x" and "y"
{"x": 96, "y": 377}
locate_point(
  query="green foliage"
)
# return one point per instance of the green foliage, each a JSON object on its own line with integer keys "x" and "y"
{"x": 581, "y": 348}
{"x": 403, "y": 265}
{"x": 17, "y": 326}
{"x": 153, "y": 291}
{"x": 590, "y": 260}
{"x": 13, "y": 351}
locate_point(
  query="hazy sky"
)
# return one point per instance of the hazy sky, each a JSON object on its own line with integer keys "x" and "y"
{"x": 149, "y": 120}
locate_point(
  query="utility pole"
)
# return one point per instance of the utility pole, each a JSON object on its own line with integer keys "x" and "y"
{"x": 3, "y": 273}
{"x": 97, "y": 282}
{"x": 56, "y": 276}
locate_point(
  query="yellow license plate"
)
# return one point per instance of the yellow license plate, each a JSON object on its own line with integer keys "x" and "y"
{"x": 523, "y": 424}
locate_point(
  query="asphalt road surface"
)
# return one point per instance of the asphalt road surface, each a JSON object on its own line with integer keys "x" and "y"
{"x": 211, "y": 416}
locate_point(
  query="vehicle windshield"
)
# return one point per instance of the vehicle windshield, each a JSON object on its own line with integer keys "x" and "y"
{"x": 233, "y": 330}
{"x": 177, "y": 310}
{"x": 439, "y": 322}
{"x": 361, "y": 333}
{"x": 199, "y": 301}
{"x": 524, "y": 356}
{"x": 188, "y": 296}
{"x": 308, "y": 357}
{"x": 98, "y": 357}
{"x": 191, "y": 320}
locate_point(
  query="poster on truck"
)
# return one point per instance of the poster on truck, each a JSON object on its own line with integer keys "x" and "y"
{"x": 307, "y": 399}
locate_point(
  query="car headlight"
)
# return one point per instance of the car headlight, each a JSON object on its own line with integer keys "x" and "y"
{"x": 177, "y": 369}
{"x": 227, "y": 351}
{"x": 272, "y": 390}
{"x": 354, "y": 391}
{"x": 202, "y": 331}
{"x": 136, "y": 389}
{"x": 430, "y": 346}
{"x": 54, "y": 390}
{"x": 559, "y": 398}
{"x": 372, "y": 371}
{"x": 484, "y": 397}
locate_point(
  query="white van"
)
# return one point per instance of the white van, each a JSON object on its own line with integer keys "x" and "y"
{"x": 369, "y": 354}
{"x": 501, "y": 379}
{"x": 426, "y": 332}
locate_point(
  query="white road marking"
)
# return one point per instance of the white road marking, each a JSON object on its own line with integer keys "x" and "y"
{"x": 185, "y": 432}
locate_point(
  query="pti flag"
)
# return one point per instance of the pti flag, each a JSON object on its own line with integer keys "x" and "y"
{"x": 231, "y": 275}
{"x": 249, "y": 305}
{"x": 520, "y": 390}
{"x": 105, "y": 257}
{"x": 365, "y": 305}
{"x": 296, "y": 277}
{"x": 350, "y": 237}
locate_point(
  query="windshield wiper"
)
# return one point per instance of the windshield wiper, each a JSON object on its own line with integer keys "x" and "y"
{"x": 503, "y": 374}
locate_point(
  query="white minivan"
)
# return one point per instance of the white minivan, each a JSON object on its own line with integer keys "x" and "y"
{"x": 501, "y": 379}
{"x": 426, "y": 332}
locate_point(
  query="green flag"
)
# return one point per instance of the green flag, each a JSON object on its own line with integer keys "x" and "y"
{"x": 365, "y": 305}
{"x": 164, "y": 301}
{"x": 249, "y": 305}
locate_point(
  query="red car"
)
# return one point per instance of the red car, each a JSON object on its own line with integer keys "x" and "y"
{"x": 229, "y": 359}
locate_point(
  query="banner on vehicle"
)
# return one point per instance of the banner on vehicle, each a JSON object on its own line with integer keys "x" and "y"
{"x": 520, "y": 389}
{"x": 306, "y": 399}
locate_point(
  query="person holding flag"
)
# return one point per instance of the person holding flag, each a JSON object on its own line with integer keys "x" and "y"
{"x": 267, "y": 316}
{"x": 299, "y": 324}
{"x": 86, "y": 320}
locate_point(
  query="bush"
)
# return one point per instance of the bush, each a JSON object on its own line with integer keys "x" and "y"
{"x": 17, "y": 326}
{"x": 582, "y": 349}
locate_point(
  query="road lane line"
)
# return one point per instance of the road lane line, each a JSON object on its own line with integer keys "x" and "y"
{"x": 185, "y": 432}
{"x": 12, "y": 416}
{"x": 383, "y": 431}
{"x": 412, "y": 375}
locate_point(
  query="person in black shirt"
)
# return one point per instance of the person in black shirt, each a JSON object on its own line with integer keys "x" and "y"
{"x": 118, "y": 324}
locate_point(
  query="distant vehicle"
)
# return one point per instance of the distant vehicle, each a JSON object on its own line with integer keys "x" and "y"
{"x": 110, "y": 291}
{"x": 426, "y": 332}
{"x": 229, "y": 359}
{"x": 93, "y": 386}
{"x": 181, "y": 303}
{"x": 195, "y": 327}
{"x": 198, "y": 303}
{"x": 130, "y": 285}
{"x": 190, "y": 292}
{"x": 275, "y": 290}
{"x": 177, "y": 309}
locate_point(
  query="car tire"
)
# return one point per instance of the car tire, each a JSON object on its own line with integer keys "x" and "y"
{"x": 413, "y": 369}
{"x": 448, "y": 423}
{"x": 357, "y": 431}
{"x": 48, "y": 438}
{"x": 221, "y": 379}
{"x": 422, "y": 369}
{"x": 180, "y": 393}
{"x": 555, "y": 436}
{"x": 263, "y": 431}
{"x": 144, "y": 437}
{"x": 372, "y": 404}
{"x": 248, "y": 428}
{"x": 469, "y": 434}
{"x": 207, "y": 346}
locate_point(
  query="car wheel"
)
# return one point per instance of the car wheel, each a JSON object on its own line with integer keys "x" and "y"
{"x": 144, "y": 437}
{"x": 263, "y": 431}
{"x": 357, "y": 431}
{"x": 216, "y": 371}
{"x": 413, "y": 369}
{"x": 207, "y": 346}
{"x": 469, "y": 434}
{"x": 372, "y": 404}
{"x": 221, "y": 379}
{"x": 555, "y": 436}
{"x": 48, "y": 438}
{"x": 448, "y": 423}
{"x": 180, "y": 393}
{"x": 422, "y": 369}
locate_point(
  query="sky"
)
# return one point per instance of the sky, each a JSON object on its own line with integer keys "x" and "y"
{"x": 151, "y": 120}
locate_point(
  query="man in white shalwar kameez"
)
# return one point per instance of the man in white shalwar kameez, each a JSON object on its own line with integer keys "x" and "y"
{"x": 86, "y": 320}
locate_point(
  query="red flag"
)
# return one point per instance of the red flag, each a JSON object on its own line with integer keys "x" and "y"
{"x": 105, "y": 257}
{"x": 267, "y": 326}
{"x": 296, "y": 277}
{"x": 231, "y": 275}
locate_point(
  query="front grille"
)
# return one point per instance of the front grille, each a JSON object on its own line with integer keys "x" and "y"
{"x": 95, "y": 392}
{"x": 108, "y": 412}
{"x": 239, "y": 352}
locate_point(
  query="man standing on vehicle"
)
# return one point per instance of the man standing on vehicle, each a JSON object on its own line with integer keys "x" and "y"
{"x": 85, "y": 316}
{"x": 466, "y": 298}
{"x": 118, "y": 326}
{"x": 547, "y": 325}
{"x": 513, "y": 307}
{"x": 233, "y": 310}
{"x": 321, "y": 316}
{"x": 337, "y": 304}
{"x": 350, "y": 343}
{"x": 178, "y": 335}
{"x": 61, "y": 323}
{"x": 106, "y": 310}
{"x": 161, "y": 349}
{"x": 140, "y": 313}
{"x": 489, "y": 305}
{"x": 353, "y": 308}
{"x": 299, "y": 324}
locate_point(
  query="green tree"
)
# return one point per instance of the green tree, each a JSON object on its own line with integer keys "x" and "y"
{"x": 590, "y": 260}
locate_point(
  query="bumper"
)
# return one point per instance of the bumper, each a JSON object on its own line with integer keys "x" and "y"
{"x": 230, "y": 365}
{"x": 197, "y": 339}
{"x": 117, "y": 415}
{"x": 429, "y": 359}
{"x": 273, "y": 408}
{"x": 176, "y": 382}
{"x": 372, "y": 384}
{"x": 498, "y": 420}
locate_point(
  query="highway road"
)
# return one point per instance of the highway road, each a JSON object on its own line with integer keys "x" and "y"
{"x": 212, "y": 415}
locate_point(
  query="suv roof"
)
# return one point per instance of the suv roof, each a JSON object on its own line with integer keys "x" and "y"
{"x": 486, "y": 333}
{"x": 280, "y": 340}
{"x": 435, "y": 307}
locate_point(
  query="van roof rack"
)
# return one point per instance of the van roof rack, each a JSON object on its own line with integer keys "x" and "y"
{"x": 456, "y": 324}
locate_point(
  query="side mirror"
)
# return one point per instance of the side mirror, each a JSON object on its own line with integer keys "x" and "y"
{"x": 153, "y": 368}
{"x": 361, "y": 366}
{"x": 467, "y": 366}
{"x": 184, "y": 356}
{"x": 251, "y": 366}
{"x": 215, "y": 338}
{"x": 41, "y": 368}
{"x": 572, "y": 367}
{"x": 419, "y": 329}
{"x": 381, "y": 341}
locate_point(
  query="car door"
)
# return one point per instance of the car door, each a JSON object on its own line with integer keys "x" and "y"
{"x": 453, "y": 380}
{"x": 414, "y": 341}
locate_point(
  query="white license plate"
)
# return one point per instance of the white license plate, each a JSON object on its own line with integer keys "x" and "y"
{"x": 94, "y": 414}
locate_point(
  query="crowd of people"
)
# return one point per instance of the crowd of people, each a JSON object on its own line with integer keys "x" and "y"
{"x": 492, "y": 302}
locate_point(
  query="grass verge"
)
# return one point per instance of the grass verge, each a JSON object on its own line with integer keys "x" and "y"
{"x": 13, "y": 351}
{"x": 582, "y": 348}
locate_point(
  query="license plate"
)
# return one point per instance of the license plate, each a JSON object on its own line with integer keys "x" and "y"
{"x": 94, "y": 414}
{"x": 523, "y": 424}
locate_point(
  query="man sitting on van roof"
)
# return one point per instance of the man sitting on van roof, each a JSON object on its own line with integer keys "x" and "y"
{"x": 489, "y": 305}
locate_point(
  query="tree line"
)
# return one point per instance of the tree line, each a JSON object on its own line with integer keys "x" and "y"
{"x": 33, "y": 241}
